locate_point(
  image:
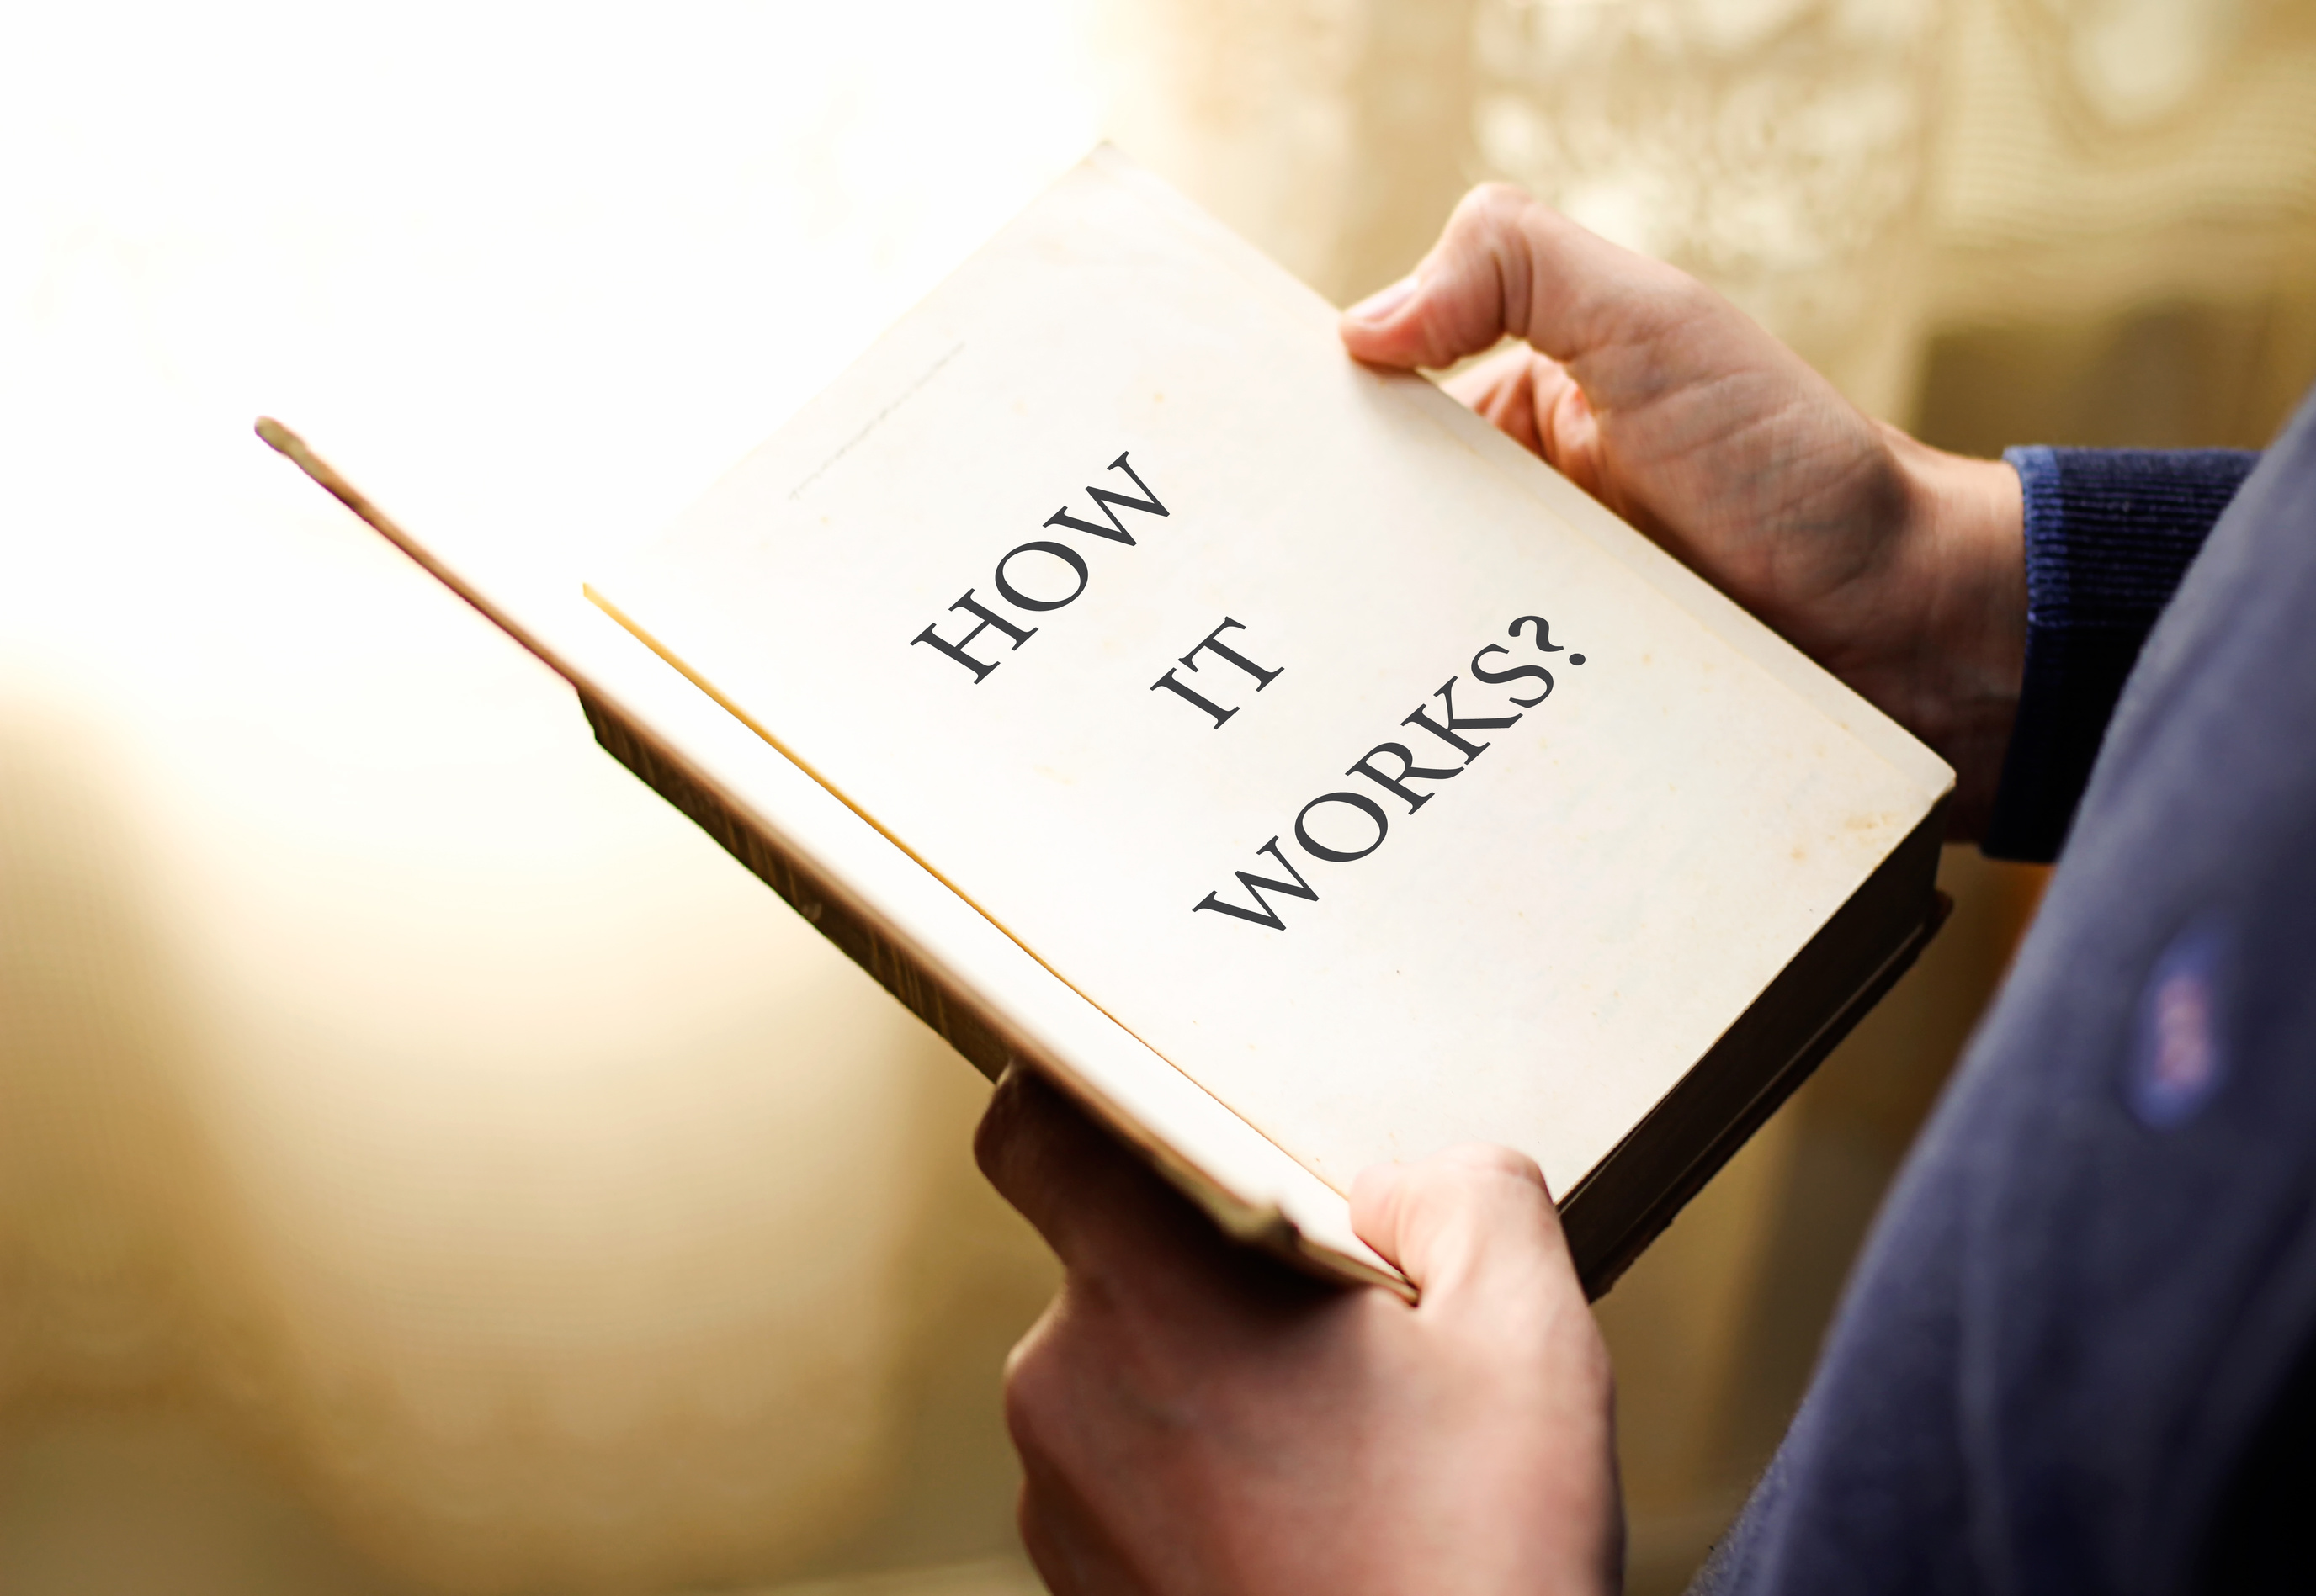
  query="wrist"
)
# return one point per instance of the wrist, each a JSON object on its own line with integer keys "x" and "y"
{"x": 1959, "y": 604}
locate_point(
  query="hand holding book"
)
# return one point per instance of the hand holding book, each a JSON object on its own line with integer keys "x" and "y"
{"x": 1898, "y": 567}
{"x": 1193, "y": 1417}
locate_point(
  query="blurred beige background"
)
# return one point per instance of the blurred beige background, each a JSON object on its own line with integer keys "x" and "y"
{"x": 426, "y": 1164}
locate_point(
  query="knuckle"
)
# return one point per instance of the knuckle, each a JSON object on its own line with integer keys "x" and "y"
{"x": 1028, "y": 1408}
{"x": 993, "y": 1137}
{"x": 1493, "y": 205}
{"x": 1488, "y": 1159}
{"x": 1464, "y": 1183}
{"x": 1455, "y": 1173}
{"x": 1036, "y": 1381}
{"x": 1490, "y": 247}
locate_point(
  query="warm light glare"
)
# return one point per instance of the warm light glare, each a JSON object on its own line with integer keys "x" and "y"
{"x": 399, "y": 1069}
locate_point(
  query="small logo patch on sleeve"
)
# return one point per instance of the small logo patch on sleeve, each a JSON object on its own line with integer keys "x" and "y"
{"x": 2178, "y": 1057}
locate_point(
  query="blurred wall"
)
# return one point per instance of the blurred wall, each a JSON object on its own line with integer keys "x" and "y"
{"x": 425, "y": 1163}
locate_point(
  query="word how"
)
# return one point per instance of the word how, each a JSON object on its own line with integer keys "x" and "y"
{"x": 1014, "y": 566}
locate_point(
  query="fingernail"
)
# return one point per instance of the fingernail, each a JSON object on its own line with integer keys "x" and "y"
{"x": 1379, "y": 305}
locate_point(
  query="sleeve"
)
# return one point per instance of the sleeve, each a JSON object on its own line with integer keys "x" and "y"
{"x": 2109, "y": 533}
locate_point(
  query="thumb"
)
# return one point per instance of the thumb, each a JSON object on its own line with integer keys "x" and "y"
{"x": 1471, "y": 1220}
{"x": 1508, "y": 264}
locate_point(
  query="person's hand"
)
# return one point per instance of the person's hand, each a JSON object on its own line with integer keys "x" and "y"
{"x": 1899, "y": 568}
{"x": 1194, "y": 1417}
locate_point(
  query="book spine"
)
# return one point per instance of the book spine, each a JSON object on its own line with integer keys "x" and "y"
{"x": 823, "y": 907}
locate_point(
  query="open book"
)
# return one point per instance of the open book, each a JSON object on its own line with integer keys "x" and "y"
{"x": 1293, "y": 770}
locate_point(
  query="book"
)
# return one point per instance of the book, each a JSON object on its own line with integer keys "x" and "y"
{"x": 1258, "y": 745}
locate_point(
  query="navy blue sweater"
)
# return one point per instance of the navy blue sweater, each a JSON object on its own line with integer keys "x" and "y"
{"x": 2078, "y": 1353}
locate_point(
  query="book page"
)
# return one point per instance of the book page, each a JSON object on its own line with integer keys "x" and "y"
{"x": 1108, "y": 587}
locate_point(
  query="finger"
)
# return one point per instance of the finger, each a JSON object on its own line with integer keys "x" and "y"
{"x": 1044, "y": 1155}
{"x": 1508, "y": 264}
{"x": 1487, "y": 381}
{"x": 1531, "y": 399}
{"x": 1096, "y": 1205}
{"x": 1503, "y": 387}
{"x": 1472, "y": 1221}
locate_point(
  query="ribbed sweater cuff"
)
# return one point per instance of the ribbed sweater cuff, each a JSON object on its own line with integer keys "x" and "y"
{"x": 2109, "y": 533}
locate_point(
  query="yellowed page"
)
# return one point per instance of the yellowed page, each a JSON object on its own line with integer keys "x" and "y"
{"x": 1545, "y": 935}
